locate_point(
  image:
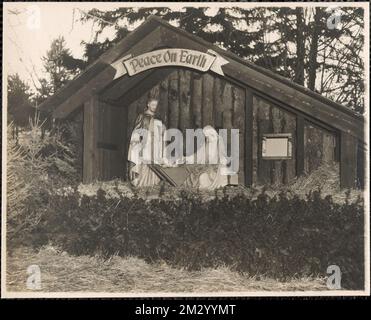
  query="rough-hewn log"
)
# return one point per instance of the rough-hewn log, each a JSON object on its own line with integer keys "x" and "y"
{"x": 123, "y": 146}
{"x": 227, "y": 113}
{"x": 164, "y": 101}
{"x": 329, "y": 141}
{"x": 184, "y": 100}
{"x": 276, "y": 116}
{"x": 91, "y": 156}
{"x": 313, "y": 140}
{"x": 271, "y": 85}
{"x": 196, "y": 100}
{"x": 207, "y": 99}
{"x": 249, "y": 138}
{"x": 348, "y": 160}
{"x": 300, "y": 152}
{"x": 361, "y": 165}
{"x": 239, "y": 123}
{"x": 103, "y": 78}
{"x": 264, "y": 126}
{"x": 255, "y": 138}
{"x": 219, "y": 86}
{"x": 132, "y": 115}
{"x": 154, "y": 78}
{"x": 289, "y": 166}
{"x": 174, "y": 100}
{"x": 110, "y": 130}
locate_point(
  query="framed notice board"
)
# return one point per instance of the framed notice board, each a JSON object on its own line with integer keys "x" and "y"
{"x": 277, "y": 146}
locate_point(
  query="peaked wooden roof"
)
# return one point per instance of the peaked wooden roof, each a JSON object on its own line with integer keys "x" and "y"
{"x": 156, "y": 33}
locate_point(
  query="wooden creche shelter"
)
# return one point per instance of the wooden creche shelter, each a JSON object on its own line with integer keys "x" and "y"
{"x": 261, "y": 104}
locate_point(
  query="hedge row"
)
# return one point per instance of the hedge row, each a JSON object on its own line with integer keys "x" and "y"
{"x": 280, "y": 237}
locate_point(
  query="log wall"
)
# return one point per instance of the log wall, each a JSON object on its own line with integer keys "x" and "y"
{"x": 319, "y": 147}
{"x": 269, "y": 118}
{"x": 190, "y": 100}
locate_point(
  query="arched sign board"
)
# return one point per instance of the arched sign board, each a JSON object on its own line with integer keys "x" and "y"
{"x": 202, "y": 61}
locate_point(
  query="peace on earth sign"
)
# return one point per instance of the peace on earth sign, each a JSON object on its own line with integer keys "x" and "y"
{"x": 202, "y": 61}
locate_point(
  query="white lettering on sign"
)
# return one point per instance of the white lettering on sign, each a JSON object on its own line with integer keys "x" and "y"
{"x": 202, "y": 61}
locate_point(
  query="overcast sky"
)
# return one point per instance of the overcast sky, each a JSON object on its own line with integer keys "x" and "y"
{"x": 29, "y": 29}
{"x": 27, "y": 38}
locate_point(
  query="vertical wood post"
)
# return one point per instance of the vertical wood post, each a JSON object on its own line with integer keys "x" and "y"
{"x": 184, "y": 100}
{"x": 238, "y": 122}
{"x": 174, "y": 100}
{"x": 207, "y": 100}
{"x": 299, "y": 145}
{"x": 348, "y": 160}
{"x": 124, "y": 145}
{"x": 361, "y": 162}
{"x": 90, "y": 157}
{"x": 196, "y": 96}
{"x": 249, "y": 138}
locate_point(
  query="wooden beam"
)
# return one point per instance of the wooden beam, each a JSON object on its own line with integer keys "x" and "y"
{"x": 196, "y": 98}
{"x": 298, "y": 97}
{"x": 184, "y": 100}
{"x": 230, "y": 55}
{"x": 249, "y": 138}
{"x": 104, "y": 78}
{"x": 207, "y": 100}
{"x": 91, "y": 154}
{"x": 338, "y": 117}
{"x": 124, "y": 143}
{"x": 238, "y": 122}
{"x": 348, "y": 160}
{"x": 174, "y": 100}
{"x": 120, "y": 86}
{"x": 293, "y": 111}
{"x": 361, "y": 165}
{"x": 107, "y": 145}
{"x": 297, "y": 100}
{"x": 300, "y": 153}
{"x": 100, "y": 64}
{"x": 154, "y": 77}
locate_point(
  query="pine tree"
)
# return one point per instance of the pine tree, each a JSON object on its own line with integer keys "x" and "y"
{"x": 296, "y": 43}
{"x": 19, "y": 102}
{"x": 60, "y": 67}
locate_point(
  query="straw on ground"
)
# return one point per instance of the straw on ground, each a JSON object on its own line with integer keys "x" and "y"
{"x": 61, "y": 272}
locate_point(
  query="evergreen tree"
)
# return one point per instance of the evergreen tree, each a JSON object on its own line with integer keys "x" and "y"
{"x": 296, "y": 43}
{"x": 59, "y": 67}
{"x": 19, "y": 102}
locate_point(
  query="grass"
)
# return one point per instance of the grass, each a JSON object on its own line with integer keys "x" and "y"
{"x": 61, "y": 272}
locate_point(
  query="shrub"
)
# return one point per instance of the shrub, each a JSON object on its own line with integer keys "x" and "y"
{"x": 280, "y": 237}
{"x": 36, "y": 163}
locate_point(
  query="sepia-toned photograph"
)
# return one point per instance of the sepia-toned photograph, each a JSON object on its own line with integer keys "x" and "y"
{"x": 185, "y": 150}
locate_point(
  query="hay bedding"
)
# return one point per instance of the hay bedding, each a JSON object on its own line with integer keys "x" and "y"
{"x": 61, "y": 272}
{"x": 325, "y": 178}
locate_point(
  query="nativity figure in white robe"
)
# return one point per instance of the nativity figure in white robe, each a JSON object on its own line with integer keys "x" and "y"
{"x": 210, "y": 175}
{"x": 146, "y": 145}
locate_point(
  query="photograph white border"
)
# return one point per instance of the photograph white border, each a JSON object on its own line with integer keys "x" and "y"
{"x": 332, "y": 293}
